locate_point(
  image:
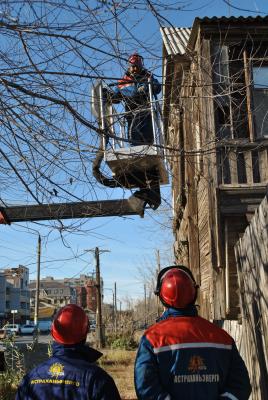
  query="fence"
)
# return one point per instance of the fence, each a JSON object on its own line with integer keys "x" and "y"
{"x": 252, "y": 263}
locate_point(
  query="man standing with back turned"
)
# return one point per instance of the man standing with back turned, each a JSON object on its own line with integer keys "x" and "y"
{"x": 184, "y": 356}
{"x": 71, "y": 372}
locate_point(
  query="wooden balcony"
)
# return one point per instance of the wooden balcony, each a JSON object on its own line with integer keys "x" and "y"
{"x": 243, "y": 163}
{"x": 242, "y": 176}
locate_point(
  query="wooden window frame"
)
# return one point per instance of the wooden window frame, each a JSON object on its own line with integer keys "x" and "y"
{"x": 257, "y": 134}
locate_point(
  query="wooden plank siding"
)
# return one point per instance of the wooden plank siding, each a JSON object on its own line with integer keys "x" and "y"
{"x": 190, "y": 172}
{"x": 236, "y": 226}
{"x": 204, "y": 248}
{"x": 252, "y": 260}
{"x": 181, "y": 241}
{"x": 263, "y": 165}
{"x": 209, "y": 253}
{"x": 176, "y": 159}
{"x": 248, "y": 166}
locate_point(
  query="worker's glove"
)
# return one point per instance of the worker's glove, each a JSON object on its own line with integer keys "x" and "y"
{"x": 142, "y": 89}
{"x": 109, "y": 96}
{"x": 105, "y": 92}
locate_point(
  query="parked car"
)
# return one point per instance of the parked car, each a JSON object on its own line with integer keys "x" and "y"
{"x": 14, "y": 328}
{"x": 27, "y": 329}
{"x": 44, "y": 326}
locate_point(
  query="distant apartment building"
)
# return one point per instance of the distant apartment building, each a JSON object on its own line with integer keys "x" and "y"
{"x": 86, "y": 291}
{"x": 77, "y": 281}
{"x": 86, "y": 295}
{"x": 14, "y": 294}
{"x": 52, "y": 292}
{"x": 58, "y": 292}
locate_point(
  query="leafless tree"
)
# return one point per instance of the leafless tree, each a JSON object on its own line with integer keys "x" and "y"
{"x": 51, "y": 52}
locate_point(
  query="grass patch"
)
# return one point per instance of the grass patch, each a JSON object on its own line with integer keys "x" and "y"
{"x": 8, "y": 384}
{"x": 124, "y": 340}
{"x": 14, "y": 364}
{"x": 116, "y": 357}
{"x": 120, "y": 365}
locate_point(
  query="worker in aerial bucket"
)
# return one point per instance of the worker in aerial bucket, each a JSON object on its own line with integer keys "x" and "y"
{"x": 71, "y": 373}
{"x": 133, "y": 90}
{"x": 184, "y": 356}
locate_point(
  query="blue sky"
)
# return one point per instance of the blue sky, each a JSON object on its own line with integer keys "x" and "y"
{"x": 132, "y": 241}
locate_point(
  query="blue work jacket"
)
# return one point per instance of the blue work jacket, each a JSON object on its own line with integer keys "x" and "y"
{"x": 133, "y": 90}
{"x": 129, "y": 89}
{"x": 70, "y": 374}
{"x": 184, "y": 356}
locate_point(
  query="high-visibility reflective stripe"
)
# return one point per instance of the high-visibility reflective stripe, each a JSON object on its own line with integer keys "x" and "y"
{"x": 192, "y": 346}
{"x": 229, "y": 396}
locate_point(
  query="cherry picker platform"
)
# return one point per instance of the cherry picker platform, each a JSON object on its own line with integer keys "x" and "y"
{"x": 132, "y": 166}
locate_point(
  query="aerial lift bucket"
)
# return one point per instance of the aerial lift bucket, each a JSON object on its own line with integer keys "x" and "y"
{"x": 132, "y": 166}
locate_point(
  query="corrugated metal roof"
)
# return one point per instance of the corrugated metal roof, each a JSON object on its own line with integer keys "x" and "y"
{"x": 221, "y": 22}
{"x": 175, "y": 39}
{"x": 241, "y": 19}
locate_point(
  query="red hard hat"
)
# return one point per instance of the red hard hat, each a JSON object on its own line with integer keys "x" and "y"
{"x": 176, "y": 287}
{"x": 136, "y": 60}
{"x": 70, "y": 325}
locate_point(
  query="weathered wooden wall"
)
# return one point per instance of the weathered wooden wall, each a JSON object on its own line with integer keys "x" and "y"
{"x": 207, "y": 183}
{"x": 204, "y": 249}
{"x": 204, "y": 90}
{"x": 233, "y": 227}
{"x": 176, "y": 160}
{"x": 252, "y": 264}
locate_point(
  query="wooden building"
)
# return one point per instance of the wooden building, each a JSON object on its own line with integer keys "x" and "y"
{"x": 216, "y": 129}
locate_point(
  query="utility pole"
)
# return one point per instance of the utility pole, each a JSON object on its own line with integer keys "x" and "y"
{"x": 115, "y": 309}
{"x": 36, "y": 308}
{"x": 120, "y": 315}
{"x": 99, "y": 327}
{"x": 145, "y": 307}
{"x": 113, "y": 313}
{"x": 100, "y": 339}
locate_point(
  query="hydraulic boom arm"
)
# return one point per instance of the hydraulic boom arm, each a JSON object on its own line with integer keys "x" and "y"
{"x": 87, "y": 209}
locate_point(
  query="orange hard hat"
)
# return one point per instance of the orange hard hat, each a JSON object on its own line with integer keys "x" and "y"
{"x": 70, "y": 325}
{"x": 176, "y": 287}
